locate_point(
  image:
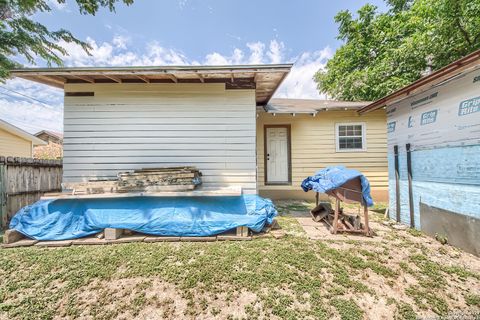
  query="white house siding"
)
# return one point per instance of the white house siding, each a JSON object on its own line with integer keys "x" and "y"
{"x": 132, "y": 126}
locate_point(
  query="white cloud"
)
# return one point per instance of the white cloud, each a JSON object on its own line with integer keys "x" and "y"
{"x": 120, "y": 41}
{"x": 299, "y": 83}
{"x": 276, "y": 51}
{"x": 43, "y": 110}
{"x": 256, "y": 52}
{"x": 31, "y": 115}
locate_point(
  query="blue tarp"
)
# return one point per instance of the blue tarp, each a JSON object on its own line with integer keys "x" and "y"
{"x": 62, "y": 219}
{"x": 333, "y": 177}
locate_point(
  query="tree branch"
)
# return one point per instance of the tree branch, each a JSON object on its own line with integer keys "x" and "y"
{"x": 463, "y": 31}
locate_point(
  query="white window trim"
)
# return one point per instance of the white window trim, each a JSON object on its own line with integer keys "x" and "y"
{"x": 364, "y": 136}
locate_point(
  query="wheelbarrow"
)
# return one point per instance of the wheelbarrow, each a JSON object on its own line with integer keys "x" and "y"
{"x": 349, "y": 192}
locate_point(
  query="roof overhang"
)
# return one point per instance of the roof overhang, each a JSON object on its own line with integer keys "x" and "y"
{"x": 20, "y": 133}
{"x": 465, "y": 64}
{"x": 310, "y": 106}
{"x": 265, "y": 79}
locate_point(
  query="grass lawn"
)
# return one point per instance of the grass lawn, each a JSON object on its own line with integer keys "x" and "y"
{"x": 403, "y": 276}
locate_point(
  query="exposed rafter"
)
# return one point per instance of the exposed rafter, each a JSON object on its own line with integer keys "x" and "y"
{"x": 200, "y": 76}
{"x": 143, "y": 78}
{"x": 234, "y": 77}
{"x": 172, "y": 77}
{"x": 84, "y": 78}
{"x": 114, "y": 78}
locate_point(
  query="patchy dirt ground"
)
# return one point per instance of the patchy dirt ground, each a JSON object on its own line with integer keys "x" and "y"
{"x": 402, "y": 274}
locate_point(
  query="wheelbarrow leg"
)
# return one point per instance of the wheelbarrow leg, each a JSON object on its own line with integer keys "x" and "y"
{"x": 335, "y": 217}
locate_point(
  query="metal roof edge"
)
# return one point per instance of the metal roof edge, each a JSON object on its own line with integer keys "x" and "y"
{"x": 439, "y": 75}
{"x": 159, "y": 68}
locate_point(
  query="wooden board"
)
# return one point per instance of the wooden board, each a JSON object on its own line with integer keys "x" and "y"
{"x": 202, "y": 192}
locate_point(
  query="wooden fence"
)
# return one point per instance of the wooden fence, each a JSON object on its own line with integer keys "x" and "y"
{"x": 23, "y": 181}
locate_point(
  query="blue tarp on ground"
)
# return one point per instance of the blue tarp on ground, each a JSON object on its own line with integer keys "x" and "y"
{"x": 63, "y": 219}
{"x": 333, "y": 177}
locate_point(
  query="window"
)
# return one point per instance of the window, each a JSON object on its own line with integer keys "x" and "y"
{"x": 350, "y": 137}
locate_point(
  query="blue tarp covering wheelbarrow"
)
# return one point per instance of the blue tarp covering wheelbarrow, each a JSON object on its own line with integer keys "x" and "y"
{"x": 331, "y": 178}
{"x": 346, "y": 185}
{"x": 62, "y": 219}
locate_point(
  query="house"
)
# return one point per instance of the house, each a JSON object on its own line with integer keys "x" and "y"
{"x": 212, "y": 117}
{"x": 434, "y": 152}
{"x": 54, "y": 147}
{"x": 50, "y": 136}
{"x": 14, "y": 142}
{"x": 297, "y": 137}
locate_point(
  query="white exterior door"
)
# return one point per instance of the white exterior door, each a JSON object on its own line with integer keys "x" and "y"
{"x": 277, "y": 155}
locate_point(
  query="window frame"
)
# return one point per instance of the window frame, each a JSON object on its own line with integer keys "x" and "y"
{"x": 364, "y": 136}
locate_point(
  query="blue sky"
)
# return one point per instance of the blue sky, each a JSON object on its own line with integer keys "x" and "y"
{"x": 173, "y": 32}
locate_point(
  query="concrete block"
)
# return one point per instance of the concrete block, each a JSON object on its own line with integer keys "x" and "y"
{"x": 161, "y": 239}
{"x": 112, "y": 234}
{"x": 233, "y": 238}
{"x": 198, "y": 239}
{"x": 53, "y": 244}
{"x": 20, "y": 243}
{"x": 242, "y": 231}
{"x": 88, "y": 241}
{"x": 127, "y": 239}
{"x": 12, "y": 236}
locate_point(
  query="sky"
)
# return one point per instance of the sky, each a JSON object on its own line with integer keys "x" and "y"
{"x": 182, "y": 32}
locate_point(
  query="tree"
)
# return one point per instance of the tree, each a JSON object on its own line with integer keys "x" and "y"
{"x": 383, "y": 52}
{"x": 21, "y": 36}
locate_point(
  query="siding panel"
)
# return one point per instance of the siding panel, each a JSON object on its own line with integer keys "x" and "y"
{"x": 313, "y": 146}
{"x": 14, "y": 146}
{"x": 132, "y": 126}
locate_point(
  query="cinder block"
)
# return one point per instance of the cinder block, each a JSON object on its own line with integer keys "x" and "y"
{"x": 161, "y": 239}
{"x": 12, "y": 236}
{"x": 242, "y": 231}
{"x": 112, "y": 234}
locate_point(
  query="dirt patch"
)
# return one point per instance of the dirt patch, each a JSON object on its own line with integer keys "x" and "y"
{"x": 147, "y": 298}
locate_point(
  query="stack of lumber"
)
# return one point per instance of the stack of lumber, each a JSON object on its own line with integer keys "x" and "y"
{"x": 93, "y": 186}
{"x": 159, "y": 180}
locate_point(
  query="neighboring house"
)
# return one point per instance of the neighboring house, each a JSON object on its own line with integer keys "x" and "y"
{"x": 14, "y": 142}
{"x": 296, "y": 137}
{"x": 212, "y": 117}
{"x": 54, "y": 148}
{"x": 50, "y": 136}
{"x": 434, "y": 152}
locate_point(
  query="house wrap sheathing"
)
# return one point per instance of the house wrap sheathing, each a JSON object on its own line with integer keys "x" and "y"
{"x": 434, "y": 152}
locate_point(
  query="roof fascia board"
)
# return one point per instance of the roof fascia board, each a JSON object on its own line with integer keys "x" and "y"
{"x": 441, "y": 75}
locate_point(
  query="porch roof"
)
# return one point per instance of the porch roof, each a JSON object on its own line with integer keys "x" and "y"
{"x": 265, "y": 79}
